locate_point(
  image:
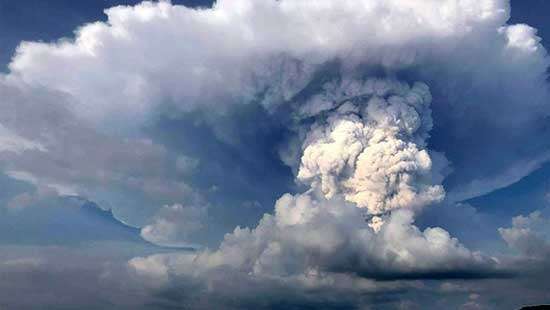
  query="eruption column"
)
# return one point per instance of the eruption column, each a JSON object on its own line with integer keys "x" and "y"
{"x": 368, "y": 144}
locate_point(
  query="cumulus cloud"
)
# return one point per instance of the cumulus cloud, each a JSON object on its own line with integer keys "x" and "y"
{"x": 529, "y": 235}
{"x": 175, "y": 226}
{"x": 317, "y": 240}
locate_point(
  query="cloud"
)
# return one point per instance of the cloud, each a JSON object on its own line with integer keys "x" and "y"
{"x": 379, "y": 109}
{"x": 318, "y": 239}
{"x": 528, "y": 235}
{"x": 175, "y": 226}
{"x": 249, "y": 34}
{"x": 112, "y": 87}
{"x": 13, "y": 143}
{"x": 323, "y": 231}
{"x": 51, "y": 148}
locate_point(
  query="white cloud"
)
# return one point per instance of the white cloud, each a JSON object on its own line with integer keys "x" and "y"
{"x": 309, "y": 236}
{"x": 155, "y": 52}
{"x": 529, "y": 235}
{"x": 175, "y": 226}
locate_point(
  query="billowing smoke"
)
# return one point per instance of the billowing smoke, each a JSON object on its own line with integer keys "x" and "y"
{"x": 371, "y": 145}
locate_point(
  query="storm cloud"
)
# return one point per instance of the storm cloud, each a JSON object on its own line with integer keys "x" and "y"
{"x": 182, "y": 120}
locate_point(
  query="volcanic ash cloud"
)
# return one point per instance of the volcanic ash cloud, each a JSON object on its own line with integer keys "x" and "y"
{"x": 369, "y": 145}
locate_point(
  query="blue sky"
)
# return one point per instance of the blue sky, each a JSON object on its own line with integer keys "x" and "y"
{"x": 274, "y": 154}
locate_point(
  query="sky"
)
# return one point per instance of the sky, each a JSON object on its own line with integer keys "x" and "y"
{"x": 290, "y": 154}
